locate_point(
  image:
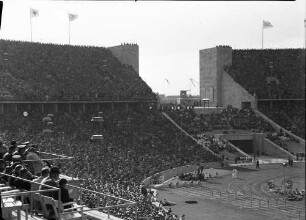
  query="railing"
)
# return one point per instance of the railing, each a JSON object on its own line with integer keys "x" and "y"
{"x": 74, "y": 99}
{"x": 126, "y": 203}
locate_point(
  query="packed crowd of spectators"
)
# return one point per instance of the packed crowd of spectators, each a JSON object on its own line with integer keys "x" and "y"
{"x": 135, "y": 145}
{"x": 270, "y": 74}
{"x": 33, "y": 70}
{"x": 291, "y": 117}
{"x": 229, "y": 118}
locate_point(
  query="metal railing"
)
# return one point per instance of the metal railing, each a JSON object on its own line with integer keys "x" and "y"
{"x": 126, "y": 203}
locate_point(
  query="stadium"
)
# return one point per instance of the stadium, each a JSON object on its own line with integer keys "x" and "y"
{"x": 83, "y": 136}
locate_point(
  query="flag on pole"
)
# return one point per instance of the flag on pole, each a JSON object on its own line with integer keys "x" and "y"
{"x": 72, "y": 17}
{"x": 34, "y": 12}
{"x": 267, "y": 24}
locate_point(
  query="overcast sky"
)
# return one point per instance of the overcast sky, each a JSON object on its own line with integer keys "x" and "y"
{"x": 169, "y": 34}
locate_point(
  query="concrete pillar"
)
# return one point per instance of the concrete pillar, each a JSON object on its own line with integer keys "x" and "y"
{"x": 127, "y": 106}
{"x": 1, "y": 109}
{"x": 42, "y": 108}
{"x": 84, "y": 107}
{"x": 69, "y": 107}
{"x": 98, "y": 107}
{"x": 55, "y": 107}
{"x": 113, "y": 107}
{"x": 15, "y": 108}
{"x": 28, "y": 106}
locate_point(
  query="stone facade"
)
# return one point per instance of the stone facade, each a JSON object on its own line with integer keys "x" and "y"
{"x": 218, "y": 86}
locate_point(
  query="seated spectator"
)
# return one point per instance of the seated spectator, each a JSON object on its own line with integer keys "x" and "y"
{"x": 21, "y": 149}
{"x": 22, "y": 184}
{"x": 35, "y": 186}
{"x": 8, "y": 156}
{"x": 2, "y": 165}
{"x": 51, "y": 180}
{"x": 64, "y": 192}
{"x": 3, "y": 149}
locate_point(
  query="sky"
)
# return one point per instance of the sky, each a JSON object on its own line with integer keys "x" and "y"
{"x": 169, "y": 33}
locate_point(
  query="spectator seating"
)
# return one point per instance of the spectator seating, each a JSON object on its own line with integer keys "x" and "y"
{"x": 270, "y": 73}
{"x": 31, "y": 71}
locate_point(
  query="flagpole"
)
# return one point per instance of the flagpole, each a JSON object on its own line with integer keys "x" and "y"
{"x": 31, "y": 23}
{"x": 262, "y": 28}
{"x": 69, "y": 27}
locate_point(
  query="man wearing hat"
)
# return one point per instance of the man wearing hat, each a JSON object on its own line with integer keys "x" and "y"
{"x": 21, "y": 151}
{"x": 51, "y": 180}
{"x": 8, "y": 156}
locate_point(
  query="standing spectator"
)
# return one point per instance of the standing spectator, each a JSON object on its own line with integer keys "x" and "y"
{"x": 257, "y": 164}
{"x": 35, "y": 163}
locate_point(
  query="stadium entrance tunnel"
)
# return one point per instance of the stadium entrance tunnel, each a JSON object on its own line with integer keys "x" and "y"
{"x": 244, "y": 145}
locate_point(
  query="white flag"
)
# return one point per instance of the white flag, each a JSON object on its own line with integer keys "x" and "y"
{"x": 34, "y": 12}
{"x": 72, "y": 17}
{"x": 267, "y": 24}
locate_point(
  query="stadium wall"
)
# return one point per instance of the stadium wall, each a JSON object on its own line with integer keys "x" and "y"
{"x": 127, "y": 54}
{"x": 233, "y": 94}
{"x": 263, "y": 145}
{"x": 216, "y": 85}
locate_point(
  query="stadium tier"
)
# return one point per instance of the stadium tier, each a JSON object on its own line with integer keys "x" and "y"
{"x": 270, "y": 74}
{"x": 35, "y": 71}
{"x": 138, "y": 144}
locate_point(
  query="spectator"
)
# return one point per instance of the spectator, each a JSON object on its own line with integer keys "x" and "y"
{"x": 51, "y": 181}
{"x": 35, "y": 186}
{"x": 35, "y": 164}
{"x": 21, "y": 149}
{"x": 22, "y": 184}
{"x": 3, "y": 149}
{"x": 7, "y": 157}
{"x": 64, "y": 192}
